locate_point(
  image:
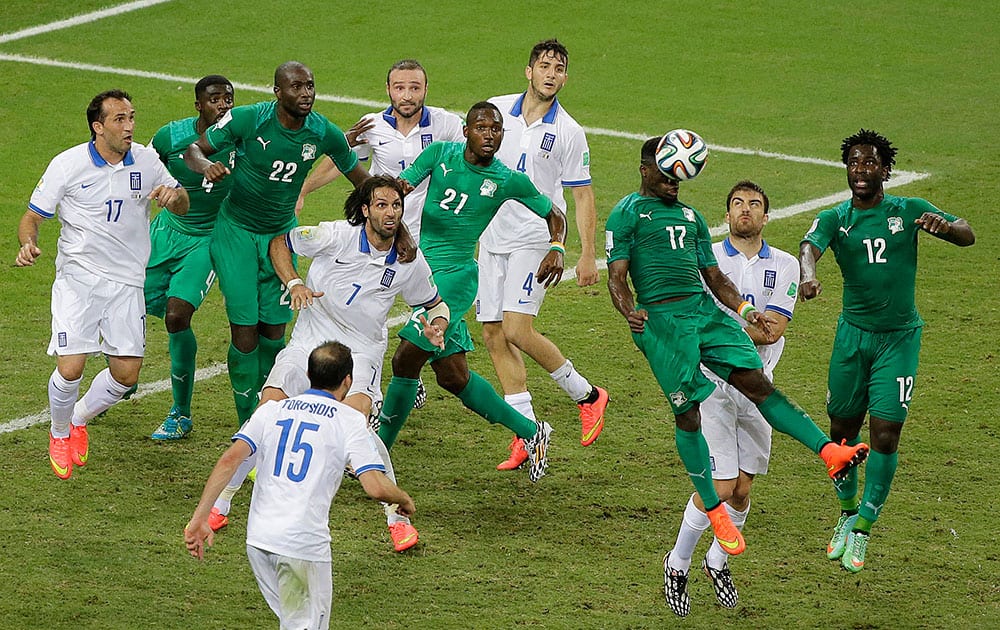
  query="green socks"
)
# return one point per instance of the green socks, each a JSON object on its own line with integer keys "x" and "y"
{"x": 267, "y": 350}
{"x": 183, "y": 347}
{"x": 396, "y": 407}
{"x": 244, "y": 371}
{"x": 693, "y": 449}
{"x": 480, "y": 397}
{"x": 847, "y": 489}
{"x": 879, "y": 472}
{"x": 787, "y": 417}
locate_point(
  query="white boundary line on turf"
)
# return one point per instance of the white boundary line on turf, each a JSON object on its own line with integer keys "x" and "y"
{"x": 79, "y": 19}
{"x": 900, "y": 178}
{"x": 597, "y": 131}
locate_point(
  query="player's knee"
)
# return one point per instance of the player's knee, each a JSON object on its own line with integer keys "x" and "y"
{"x": 885, "y": 435}
{"x": 493, "y": 335}
{"x": 452, "y": 381}
{"x": 176, "y": 321}
{"x": 752, "y": 384}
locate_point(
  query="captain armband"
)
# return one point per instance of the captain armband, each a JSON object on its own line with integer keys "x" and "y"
{"x": 439, "y": 310}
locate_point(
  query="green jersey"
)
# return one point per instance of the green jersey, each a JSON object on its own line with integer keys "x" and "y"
{"x": 667, "y": 246}
{"x": 272, "y": 162}
{"x": 170, "y": 142}
{"x": 462, "y": 199}
{"x": 876, "y": 251}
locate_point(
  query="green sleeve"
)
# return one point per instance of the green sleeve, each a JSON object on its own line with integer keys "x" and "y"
{"x": 823, "y": 229}
{"x": 161, "y": 143}
{"x": 238, "y": 123}
{"x": 706, "y": 257}
{"x": 918, "y": 206}
{"x": 520, "y": 188}
{"x": 338, "y": 149}
{"x": 421, "y": 167}
{"x": 618, "y": 233}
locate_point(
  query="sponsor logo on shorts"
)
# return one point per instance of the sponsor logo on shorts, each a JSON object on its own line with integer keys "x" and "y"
{"x": 61, "y": 340}
{"x": 678, "y": 398}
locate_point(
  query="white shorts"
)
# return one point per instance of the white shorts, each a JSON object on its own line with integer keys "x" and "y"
{"x": 300, "y": 592}
{"x": 507, "y": 283}
{"x": 93, "y": 314}
{"x": 738, "y": 436}
{"x": 290, "y": 371}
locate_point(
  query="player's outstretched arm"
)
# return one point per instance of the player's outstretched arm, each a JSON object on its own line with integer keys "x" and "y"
{"x": 281, "y": 259}
{"x": 381, "y": 488}
{"x": 586, "y": 222}
{"x": 197, "y": 533}
{"x": 958, "y": 231}
{"x": 809, "y": 286}
{"x": 174, "y": 199}
{"x": 724, "y": 289}
{"x": 27, "y": 236}
{"x": 195, "y": 158}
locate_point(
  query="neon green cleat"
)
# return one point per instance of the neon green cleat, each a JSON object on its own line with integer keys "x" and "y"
{"x": 854, "y": 553}
{"x": 835, "y": 548}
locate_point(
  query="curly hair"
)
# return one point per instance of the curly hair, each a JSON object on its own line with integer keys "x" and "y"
{"x": 883, "y": 147}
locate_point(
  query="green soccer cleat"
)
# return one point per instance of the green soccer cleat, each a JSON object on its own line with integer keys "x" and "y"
{"x": 854, "y": 553}
{"x": 835, "y": 548}
{"x": 174, "y": 427}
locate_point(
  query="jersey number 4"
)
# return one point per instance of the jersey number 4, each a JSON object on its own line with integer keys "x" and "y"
{"x": 298, "y": 445}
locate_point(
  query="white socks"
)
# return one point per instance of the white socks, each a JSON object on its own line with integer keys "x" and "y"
{"x": 521, "y": 404}
{"x": 62, "y": 397}
{"x": 572, "y": 382}
{"x": 104, "y": 391}
{"x": 693, "y": 525}
{"x": 224, "y": 502}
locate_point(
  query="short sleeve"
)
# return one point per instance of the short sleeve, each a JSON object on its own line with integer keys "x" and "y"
{"x": 619, "y": 232}
{"x": 520, "y": 188}
{"x": 311, "y": 240}
{"x": 338, "y": 149}
{"x": 823, "y": 229}
{"x": 49, "y": 190}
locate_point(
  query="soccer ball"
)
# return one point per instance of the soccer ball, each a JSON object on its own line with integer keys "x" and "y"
{"x": 681, "y": 154}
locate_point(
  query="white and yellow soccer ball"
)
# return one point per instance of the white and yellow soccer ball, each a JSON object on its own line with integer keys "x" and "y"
{"x": 681, "y": 154}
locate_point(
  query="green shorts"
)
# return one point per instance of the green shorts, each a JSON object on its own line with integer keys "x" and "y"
{"x": 873, "y": 372}
{"x": 457, "y": 287}
{"x": 679, "y": 335}
{"x": 253, "y": 292}
{"x": 179, "y": 267}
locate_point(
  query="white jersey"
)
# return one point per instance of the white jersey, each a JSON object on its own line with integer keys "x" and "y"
{"x": 302, "y": 445}
{"x": 103, "y": 209}
{"x": 391, "y": 152}
{"x": 769, "y": 281}
{"x": 553, "y": 153}
{"x": 360, "y": 283}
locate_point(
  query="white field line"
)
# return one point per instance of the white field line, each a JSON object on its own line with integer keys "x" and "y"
{"x": 900, "y": 178}
{"x": 80, "y": 19}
